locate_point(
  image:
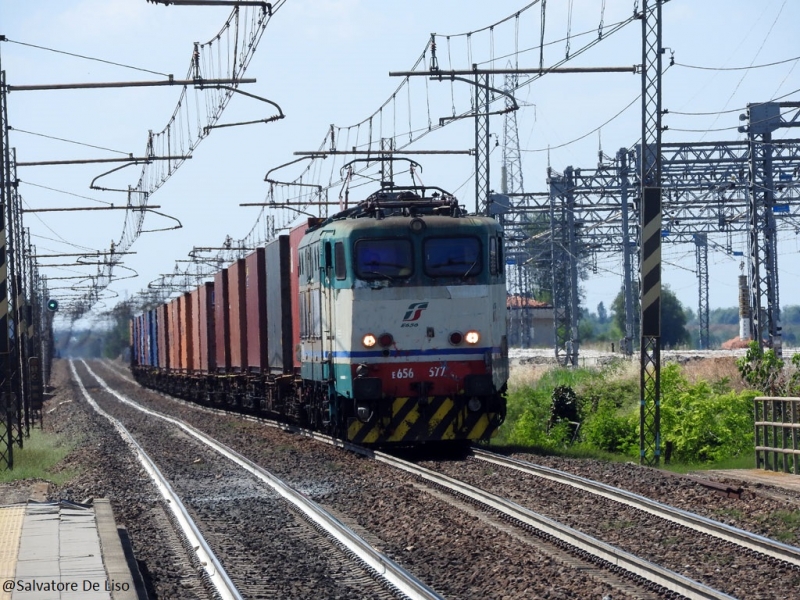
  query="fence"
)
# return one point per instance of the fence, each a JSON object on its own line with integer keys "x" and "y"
{"x": 777, "y": 422}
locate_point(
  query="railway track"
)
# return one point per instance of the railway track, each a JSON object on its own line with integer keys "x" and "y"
{"x": 388, "y": 574}
{"x": 744, "y": 539}
{"x": 645, "y": 578}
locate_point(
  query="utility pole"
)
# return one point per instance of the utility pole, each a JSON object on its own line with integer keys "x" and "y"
{"x": 6, "y": 359}
{"x": 650, "y": 237}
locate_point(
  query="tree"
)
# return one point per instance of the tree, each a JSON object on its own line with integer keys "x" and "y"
{"x": 602, "y": 313}
{"x": 673, "y": 318}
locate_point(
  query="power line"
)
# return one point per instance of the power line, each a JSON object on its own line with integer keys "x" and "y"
{"x": 108, "y": 62}
{"x": 50, "y": 137}
{"x": 772, "y": 64}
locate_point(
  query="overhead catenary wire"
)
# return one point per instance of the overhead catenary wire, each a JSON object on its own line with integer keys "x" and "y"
{"x": 51, "y": 137}
{"x": 91, "y": 58}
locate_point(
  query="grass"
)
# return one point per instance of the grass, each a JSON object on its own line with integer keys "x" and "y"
{"x": 38, "y": 458}
{"x": 747, "y": 461}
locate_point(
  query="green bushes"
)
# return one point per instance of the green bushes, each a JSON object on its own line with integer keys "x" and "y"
{"x": 703, "y": 421}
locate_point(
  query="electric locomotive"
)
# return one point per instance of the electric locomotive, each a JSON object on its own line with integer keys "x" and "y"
{"x": 384, "y": 324}
{"x": 402, "y": 305}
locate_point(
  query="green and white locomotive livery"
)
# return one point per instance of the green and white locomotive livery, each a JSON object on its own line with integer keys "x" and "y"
{"x": 402, "y": 320}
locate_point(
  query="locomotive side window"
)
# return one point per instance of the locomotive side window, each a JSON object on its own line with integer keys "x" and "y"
{"x": 493, "y": 257}
{"x": 339, "y": 261}
{"x": 501, "y": 261}
{"x": 303, "y": 316}
{"x": 384, "y": 258}
{"x": 452, "y": 257}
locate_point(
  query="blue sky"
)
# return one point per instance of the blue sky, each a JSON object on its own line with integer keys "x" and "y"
{"x": 327, "y": 62}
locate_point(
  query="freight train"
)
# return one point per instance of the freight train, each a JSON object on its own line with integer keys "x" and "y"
{"x": 384, "y": 324}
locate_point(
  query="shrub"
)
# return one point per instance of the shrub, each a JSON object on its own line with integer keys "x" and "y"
{"x": 704, "y": 420}
{"x": 610, "y": 428}
{"x": 702, "y": 423}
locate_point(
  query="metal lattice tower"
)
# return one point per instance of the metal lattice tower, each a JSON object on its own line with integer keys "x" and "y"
{"x": 650, "y": 237}
{"x": 763, "y": 246}
{"x": 564, "y": 261}
{"x": 518, "y": 264}
{"x": 482, "y": 99}
{"x": 512, "y": 157}
{"x": 629, "y": 254}
{"x": 763, "y": 119}
{"x": 701, "y": 254}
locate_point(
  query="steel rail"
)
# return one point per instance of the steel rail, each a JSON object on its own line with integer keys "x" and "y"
{"x": 213, "y": 568}
{"x": 667, "y": 579}
{"x": 740, "y": 537}
{"x": 382, "y": 565}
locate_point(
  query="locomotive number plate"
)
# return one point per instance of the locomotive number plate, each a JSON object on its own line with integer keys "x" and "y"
{"x": 405, "y": 373}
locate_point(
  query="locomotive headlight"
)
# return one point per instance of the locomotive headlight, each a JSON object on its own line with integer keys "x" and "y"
{"x": 474, "y": 404}
{"x": 369, "y": 340}
{"x": 472, "y": 337}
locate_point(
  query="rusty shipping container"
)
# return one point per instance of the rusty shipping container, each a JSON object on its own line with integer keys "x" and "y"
{"x": 163, "y": 337}
{"x": 222, "y": 343}
{"x": 256, "y": 306}
{"x": 237, "y": 315}
{"x": 279, "y": 306}
{"x": 195, "y": 359}
{"x": 185, "y": 330}
{"x": 206, "y": 314}
{"x": 174, "y": 336}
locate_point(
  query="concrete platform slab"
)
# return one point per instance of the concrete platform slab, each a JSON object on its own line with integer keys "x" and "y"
{"x": 64, "y": 551}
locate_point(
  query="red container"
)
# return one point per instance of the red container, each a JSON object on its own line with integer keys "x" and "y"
{"x": 237, "y": 315}
{"x": 163, "y": 336}
{"x": 295, "y": 235}
{"x": 256, "y": 305}
{"x": 185, "y": 331}
{"x": 194, "y": 328}
{"x": 174, "y": 336}
{"x": 222, "y": 344}
{"x": 205, "y": 318}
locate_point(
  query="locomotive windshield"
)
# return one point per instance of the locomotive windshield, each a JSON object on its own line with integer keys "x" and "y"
{"x": 452, "y": 257}
{"x": 384, "y": 258}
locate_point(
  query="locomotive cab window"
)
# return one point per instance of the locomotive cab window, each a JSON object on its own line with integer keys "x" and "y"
{"x": 453, "y": 257}
{"x": 384, "y": 258}
{"x": 339, "y": 261}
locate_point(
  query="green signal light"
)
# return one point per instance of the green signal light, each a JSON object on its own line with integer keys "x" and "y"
{"x": 52, "y": 305}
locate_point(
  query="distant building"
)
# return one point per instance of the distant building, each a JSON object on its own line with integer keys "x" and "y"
{"x": 530, "y": 323}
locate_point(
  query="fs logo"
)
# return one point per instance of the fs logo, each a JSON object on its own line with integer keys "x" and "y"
{"x": 414, "y": 311}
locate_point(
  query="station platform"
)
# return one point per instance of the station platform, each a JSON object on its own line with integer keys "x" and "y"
{"x": 65, "y": 551}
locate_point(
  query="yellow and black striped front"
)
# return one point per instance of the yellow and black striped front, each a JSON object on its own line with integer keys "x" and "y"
{"x": 404, "y": 420}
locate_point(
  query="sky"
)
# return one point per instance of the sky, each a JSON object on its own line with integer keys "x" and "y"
{"x": 327, "y": 62}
